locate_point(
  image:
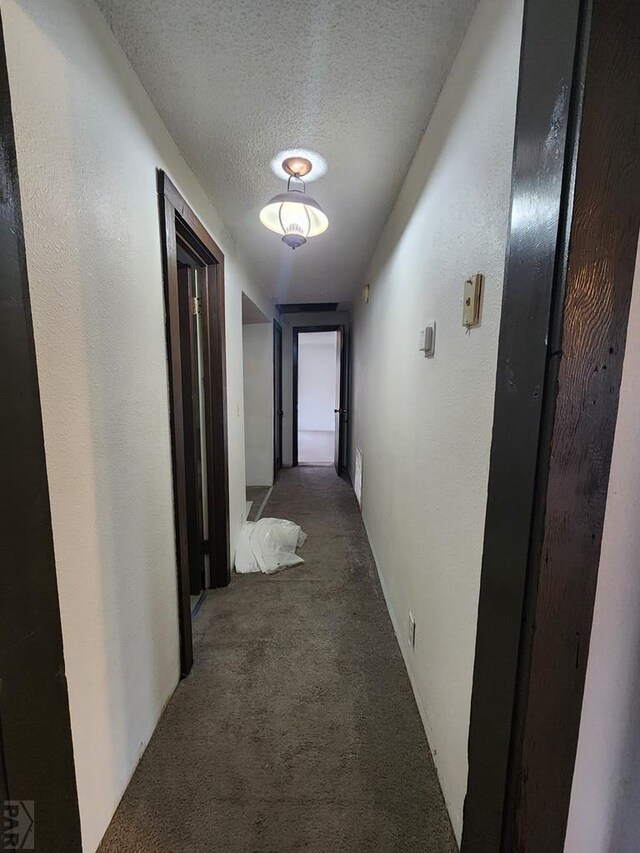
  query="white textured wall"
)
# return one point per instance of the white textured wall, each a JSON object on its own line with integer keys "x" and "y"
{"x": 317, "y": 381}
{"x": 88, "y": 143}
{"x": 424, "y": 425}
{"x": 258, "y": 403}
{"x": 604, "y": 816}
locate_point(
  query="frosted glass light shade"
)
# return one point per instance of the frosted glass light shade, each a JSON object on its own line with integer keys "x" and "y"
{"x": 294, "y": 215}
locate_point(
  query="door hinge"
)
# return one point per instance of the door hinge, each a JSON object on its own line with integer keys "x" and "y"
{"x": 196, "y": 306}
{"x": 205, "y": 546}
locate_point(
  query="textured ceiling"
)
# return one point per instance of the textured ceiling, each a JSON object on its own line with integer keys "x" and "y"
{"x": 238, "y": 81}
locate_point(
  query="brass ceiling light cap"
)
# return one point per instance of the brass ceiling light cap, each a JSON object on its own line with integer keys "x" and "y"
{"x": 297, "y": 166}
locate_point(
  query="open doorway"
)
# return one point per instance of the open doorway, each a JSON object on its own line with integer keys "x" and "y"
{"x": 258, "y": 386}
{"x": 319, "y": 396}
{"x": 317, "y": 387}
{"x": 194, "y": 298}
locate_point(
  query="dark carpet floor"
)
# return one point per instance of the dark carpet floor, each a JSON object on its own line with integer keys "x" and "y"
{"x": 297, "y": 729}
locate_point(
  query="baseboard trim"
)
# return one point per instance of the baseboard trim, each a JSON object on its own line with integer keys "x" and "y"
{"x": 138, "y": 756}
{"x": 421, "y": 710}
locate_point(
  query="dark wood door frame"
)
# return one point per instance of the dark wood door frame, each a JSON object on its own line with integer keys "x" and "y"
{"x": 573, "y": 233}
{"x": 179, "y": 222}
{"x": 342, "y": 456}
{"x": 36, "y": 751}
{"x": 296, "y": 331}
{"x": 192, "y": 420}
{"x": 278, "y": 412}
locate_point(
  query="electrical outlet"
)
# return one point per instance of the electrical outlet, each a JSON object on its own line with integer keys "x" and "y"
{"x": 412, "y": 631}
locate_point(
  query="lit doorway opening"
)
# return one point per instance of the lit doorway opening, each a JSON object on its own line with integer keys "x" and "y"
{"x": 317, "y": 393}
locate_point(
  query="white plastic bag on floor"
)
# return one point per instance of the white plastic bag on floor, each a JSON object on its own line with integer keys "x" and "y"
{"x": 269, "y": 545}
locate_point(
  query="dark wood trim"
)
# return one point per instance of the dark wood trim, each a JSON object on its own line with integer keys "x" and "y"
{"x": 570, "y": 262}
{"x": 277, "y": 399}
{"x": 191, "y": 415}
{"x": 216, "y": 420}
{"x": 296, "y": 330}
{"x": 36, "y": 750}
{"x": 584, "y": 378}
{"x": 186, "y": 214}
{"x": 4, "y": 780}
{"x": 307, "y": 307}
{"x": 543, "y": 154}
{"x": 294, "y": 404}
{"x": 179, "y": 221}
{"x": 170, "y": 274}
{"x": 345, "y": 390}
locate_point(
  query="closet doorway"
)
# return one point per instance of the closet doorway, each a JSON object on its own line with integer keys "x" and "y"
{"x": 194, "y": 300}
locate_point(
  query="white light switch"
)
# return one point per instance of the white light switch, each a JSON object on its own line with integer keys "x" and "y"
{"x": 471, "y": 300}
{"x": 428, "y": 340}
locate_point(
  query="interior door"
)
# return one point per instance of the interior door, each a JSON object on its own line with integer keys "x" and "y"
{"x": 277, "y": 398}
{"x": 340, "y": 410}
{"x": 192, "y": 426}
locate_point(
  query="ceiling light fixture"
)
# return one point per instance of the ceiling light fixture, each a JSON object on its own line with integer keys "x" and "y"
{"x": 294, "y": 214}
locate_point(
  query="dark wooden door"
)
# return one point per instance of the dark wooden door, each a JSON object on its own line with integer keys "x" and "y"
{"x": 340, "y": 411}
{"x": 568, "y": 282}
{"x": 277, "y": 398}
{"x": 4, "y": 784}
{"x": 192, "y": 433}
